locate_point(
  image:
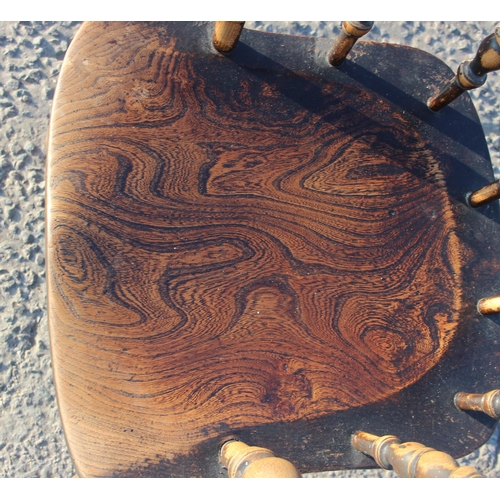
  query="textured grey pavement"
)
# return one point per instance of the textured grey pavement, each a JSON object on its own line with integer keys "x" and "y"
{"x": 32, "y": 443}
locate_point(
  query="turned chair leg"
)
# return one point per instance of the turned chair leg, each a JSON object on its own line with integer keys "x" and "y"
{"x": 351, "y": 31}
{"x": 489, "y": 305}
{"x": 486, "y": 194}
{"x": 410, "y": 459}
{"x": 226, "y": 35}
{"x": 470, "y": 74}
{"x": 488, "y": 403}
{"x": 245, "y": 461}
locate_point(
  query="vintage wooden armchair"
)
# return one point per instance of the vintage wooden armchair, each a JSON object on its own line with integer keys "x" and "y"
{"x": 264, "y": 242}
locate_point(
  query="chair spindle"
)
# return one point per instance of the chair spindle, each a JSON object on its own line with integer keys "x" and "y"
{"x": 351, "y": 31}
{"x": 226, "y": 35}
{"x": 471, "y": 74}
{"x": 488, "y": 403}
{"x": 245, "y": 461}
{"x": 410, "y": 459}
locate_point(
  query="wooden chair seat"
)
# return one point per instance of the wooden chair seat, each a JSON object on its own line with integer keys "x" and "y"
{"x": 262, "y": 247}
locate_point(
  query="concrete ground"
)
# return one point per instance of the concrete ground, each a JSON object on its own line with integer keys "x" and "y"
{"x": 32, "y": 443}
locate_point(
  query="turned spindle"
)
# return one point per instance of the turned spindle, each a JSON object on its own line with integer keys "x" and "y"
{"x": 488, "y": 403}
{"x": 485, "y": 195}
{"x": 471, "y": 73}
{"x": 245, "y": 461}
{"x": 489, "y": 305}
{"x": 351, "y": 31}
{"x": 226, "y": 35}
{"x": 410, "y": 459}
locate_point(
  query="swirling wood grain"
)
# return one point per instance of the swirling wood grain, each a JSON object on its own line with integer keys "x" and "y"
{"x": 231, "y": 247}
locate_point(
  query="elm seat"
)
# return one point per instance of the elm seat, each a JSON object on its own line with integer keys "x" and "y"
{"x": 262, "y": 247}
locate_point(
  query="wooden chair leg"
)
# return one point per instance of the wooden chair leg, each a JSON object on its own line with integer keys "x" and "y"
{"x": 410, "y": 459}
{"x": 226, "y": 35}
{"x": 488, "y": 403}
{"x": 470, "y": 74}
{"x": 485, "y": 195}
{"x": 351, "y": 31}
{"x": 245, "y": 461}
{"x": 489, "y": 305}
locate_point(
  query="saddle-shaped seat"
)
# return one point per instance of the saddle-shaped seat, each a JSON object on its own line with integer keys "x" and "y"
{"x": 259, "y": 246}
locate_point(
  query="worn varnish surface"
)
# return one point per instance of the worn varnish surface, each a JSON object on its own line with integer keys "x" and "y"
{"x": 259, "y": 246}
